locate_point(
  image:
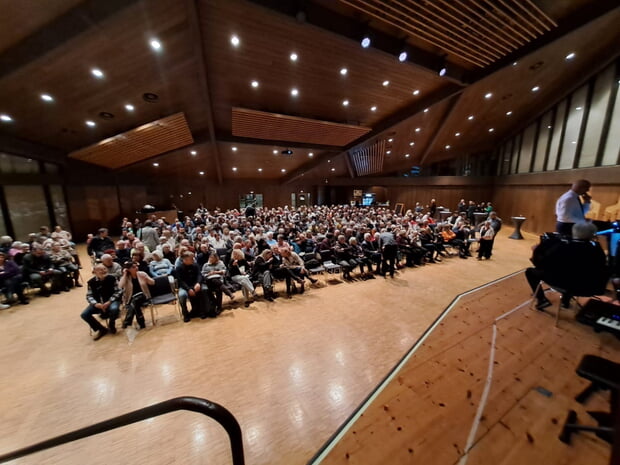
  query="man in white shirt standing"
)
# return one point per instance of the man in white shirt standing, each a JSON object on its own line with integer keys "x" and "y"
{"x": 570, "y": 209}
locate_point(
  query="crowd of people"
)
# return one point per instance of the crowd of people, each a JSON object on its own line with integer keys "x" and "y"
{"x": 216, "y": 253}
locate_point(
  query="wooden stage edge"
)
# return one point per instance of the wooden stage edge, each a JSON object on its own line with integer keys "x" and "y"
{"x": 357, "y": 413}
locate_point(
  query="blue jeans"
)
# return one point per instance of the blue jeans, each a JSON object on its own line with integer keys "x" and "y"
{"x": 111, "y": 313}
{"x": 195, "y": 301}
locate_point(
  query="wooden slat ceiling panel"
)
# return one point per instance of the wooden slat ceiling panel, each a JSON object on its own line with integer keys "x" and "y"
{"x": 369, "y": 160}
{"x": 139, "y": 144}
{"x": 477, "y": 31}
{"x": 273, "y": 126}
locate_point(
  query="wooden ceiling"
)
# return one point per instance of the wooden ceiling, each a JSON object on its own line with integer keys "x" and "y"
{"x": 199, "y": 72}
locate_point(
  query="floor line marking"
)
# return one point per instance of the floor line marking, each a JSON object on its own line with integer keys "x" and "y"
{"x": 364, "y": 406}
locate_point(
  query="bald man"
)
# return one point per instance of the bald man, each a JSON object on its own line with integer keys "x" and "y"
{"x": 571, "y": 209}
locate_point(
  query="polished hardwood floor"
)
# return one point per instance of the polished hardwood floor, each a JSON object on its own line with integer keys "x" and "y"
{"x": 290, "y": 371}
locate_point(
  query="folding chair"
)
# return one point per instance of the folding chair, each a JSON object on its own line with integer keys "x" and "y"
{"x": 163, "y": 292}
{"x": 574, "y": 296}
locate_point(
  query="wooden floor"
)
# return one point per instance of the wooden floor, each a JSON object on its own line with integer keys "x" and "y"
{"x": 290, "y": 371}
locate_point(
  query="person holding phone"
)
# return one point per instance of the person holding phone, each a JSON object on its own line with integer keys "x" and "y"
{"x": 572, "y": 207}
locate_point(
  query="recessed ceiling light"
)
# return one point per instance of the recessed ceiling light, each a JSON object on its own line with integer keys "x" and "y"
{"x": 275, "y": 152}
{"x": 333, "y": 169}
{"x": 418, "y": 129}
{"x": 254, "y": 84}
{"x": 491, "y": 129}
{"x": 234, "y": 149}
{"x": 411, "y": 144}
{"x": 294, "y": 56}
{"x": 386, "y": 83}
{"x": 90, "y": 123}
{"x": 193, "y": 152}
{"x": 549, "y": 127}
{"x": 402, "y": 56}
{"x": 470, "y": 117}
{"x": 514, "y": 63}
{"x": 97, "y": 73}
{"x": 6, "y": 118}
{"x": 345, "y": 103}
{"x": 155, "y": 44}
{"x": 373, "y": 108}
{"x": 574, "y": 142}
{"x": 294, "y": 92}
{"x": 570, "y": 56}
{"x": 388, "y": 152}
{"x": 283, "y": 170}
{"x": 129, "y": 107}
{"x": 201, "y": 173}
{"x": 407, "y": 155}
{"x": 426, "y": 110}
{"x": 329, "y": 161}
{"x": 447, "y": 147}
{"x": 189, "y": 193}
{"x": 579, "y": 108}
{"x": 234, "y": 40}
{"x": 344, "y": 71}
{"x": 488, "y": 95}
{"x": 508, "y": 113}
{"x": 260, "y": 170}
{"x": 416, "y": 92}
{"x": 310, "y": 154}
{"x": 442, "y": 71}
{"x": 155, "y": 165}
{"x": 457, "y": 134}
{"x": 234, "y": 168}
{"x": 365, "y": 42}
{"x": 535, "y": 89}
{"x": 390, "y": 140}
{"x": 47, "y": 98}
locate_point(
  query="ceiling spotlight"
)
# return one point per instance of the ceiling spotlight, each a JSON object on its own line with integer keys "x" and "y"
{"x": 201, "y": 173}
{"x": 416, "y": 92}
{"x": 491, "y": 129}
{"x": 508, "y": 113}
{"x": 411, "y": 144}
{"x": 260, "y": 170}
{"x": 293, "y": 56}
{"x": 570, "y": 56}
{"x": 310, "y": 154}
{"x": 407, "y": 155}
{"x": 193, "y": 152}
{"x": 388, "y": 152}
{"x": 155, "y": 165}
{"x": 402, "y": 56}
{"x": 390, "y": 140}
{"x": 90, "y": 124}
{"x": 344, "y": 71}
{"x": 97, "y": 73}
{"x": 386, "y": 83}
{"x": 373, "y": 108}
{"x": 254, "y": 84}
{"x": 447, "y": 147}
{"x": 470, "y": 117}
{"x": 514, "y": 63}
{"x": 294, "y": 92}
{"x": 457, "y": 134}
{"x": 345, "y": 103}
{"x": 234, "y": 40}
{"x": 443, "y": 70}
{"x": 426, "y": 110}
{"x": 333, "y": 169}
{"x": 155, "y": 44}
{"x": 234, "y": 168}
{"x": 574, "y": 142}
{"x": 549, "y": 127}
{"x": 283, "y": 170}
{"x": 6, "y": 118}
{"x": 418, "y": 129}
{"x": 535, "y": 89}
{"x": 488, "y": 95}
{"x": 365, "y": 42}
{"x": 47, "y": 98}
{"x": 129, "y": 107}
{"x": 329, "y": 161}
{"x": 275, "y": 152}
{"x": 579, "y": 108}
{"x": 234, "y": 149}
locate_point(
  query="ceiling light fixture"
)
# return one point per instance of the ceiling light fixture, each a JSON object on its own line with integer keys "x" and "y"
{"x": 447, "y": 147}
{"x": 386, "y": 83}
{"x": 344, "y": 71}
{"x": 310, "y": 154}
{"x": 488, "y": 95}
{"x": 234, "y": 40}
{"x": 535, "y": 88}
{"x": 426, "y": 110}
{"x": 365, "y": 42}
{"x": 390, "y": 140}
{"x": 411, "y": 144}
{"x": 470, "y": 117}
{"x": 457, "y": 134}
{"x": 97, "y": 73}
{"x": 416, "y": 92}
{"x": 234, "y": 149}
{"x": 579, "y": 108}
{"x": 129, "y": 107}
{"x": 234, "y": 168}
{"x": 260, "y": 170}
{"x": 570, "y": 56}
{"x": 275, "y": 152}
{"x": 388, "y": 152}
{"x": 418, "y": 129}
{"x": 155, "y": 44}
{"x": 293, "y": 56}
{"x": 345, "y": 103}
{"x": 407, "y": 155}
{"x": 201, "y": 173}
{"x": 254, "y": 84}
{"x": 155, "y": 165}
{"x": 47, "y": 98}
{"x": 294, "y": 92}
{"x": 514, "y": 63}
{"x": 373, "y": 108}
{"x": 333, "y": 169}
{"x": 90, "y": 123}
{"x": 491, "y": 129}
{"x": 283, "y": 170}
{"x": 6, "y": 118}
{"x": 193, "y": 152}
{"x": 508, "y": 113}
{"x": 402, "y": 56}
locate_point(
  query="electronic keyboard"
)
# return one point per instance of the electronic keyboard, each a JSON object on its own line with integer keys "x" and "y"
{"x": 602, "y": 316}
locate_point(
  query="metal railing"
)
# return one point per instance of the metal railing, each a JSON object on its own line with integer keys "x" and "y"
{"x": 194, "y": 404}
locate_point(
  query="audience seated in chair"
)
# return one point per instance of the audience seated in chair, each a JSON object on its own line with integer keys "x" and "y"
{"x": 103, "y": 297}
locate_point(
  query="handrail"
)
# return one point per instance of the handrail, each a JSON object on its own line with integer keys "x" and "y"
{"x": 194, "y": 404}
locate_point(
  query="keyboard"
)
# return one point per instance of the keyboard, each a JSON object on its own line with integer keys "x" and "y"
{"x": 609, "y": 323}
{"x": 602, "y": 316}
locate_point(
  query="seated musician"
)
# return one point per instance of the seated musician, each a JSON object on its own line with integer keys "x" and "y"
{"x": 577, "y": 266}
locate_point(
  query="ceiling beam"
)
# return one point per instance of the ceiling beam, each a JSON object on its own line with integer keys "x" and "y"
{"x": 61, "y": 30}
{"x": 227, "y": 137}
{"x": 448, "y": 91}
{"x": 444, "y": 120}
{"x": 347, "y": 160}
{"x": 336, "y": 23}
{"x": 201, "y": 60}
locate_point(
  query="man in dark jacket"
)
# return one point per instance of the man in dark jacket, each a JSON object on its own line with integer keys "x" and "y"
{"x": 190, "y": 287}
{"x": 98, "y": 245}
{"x": 103, "y": 298}
{"x": 37, "y": 267}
